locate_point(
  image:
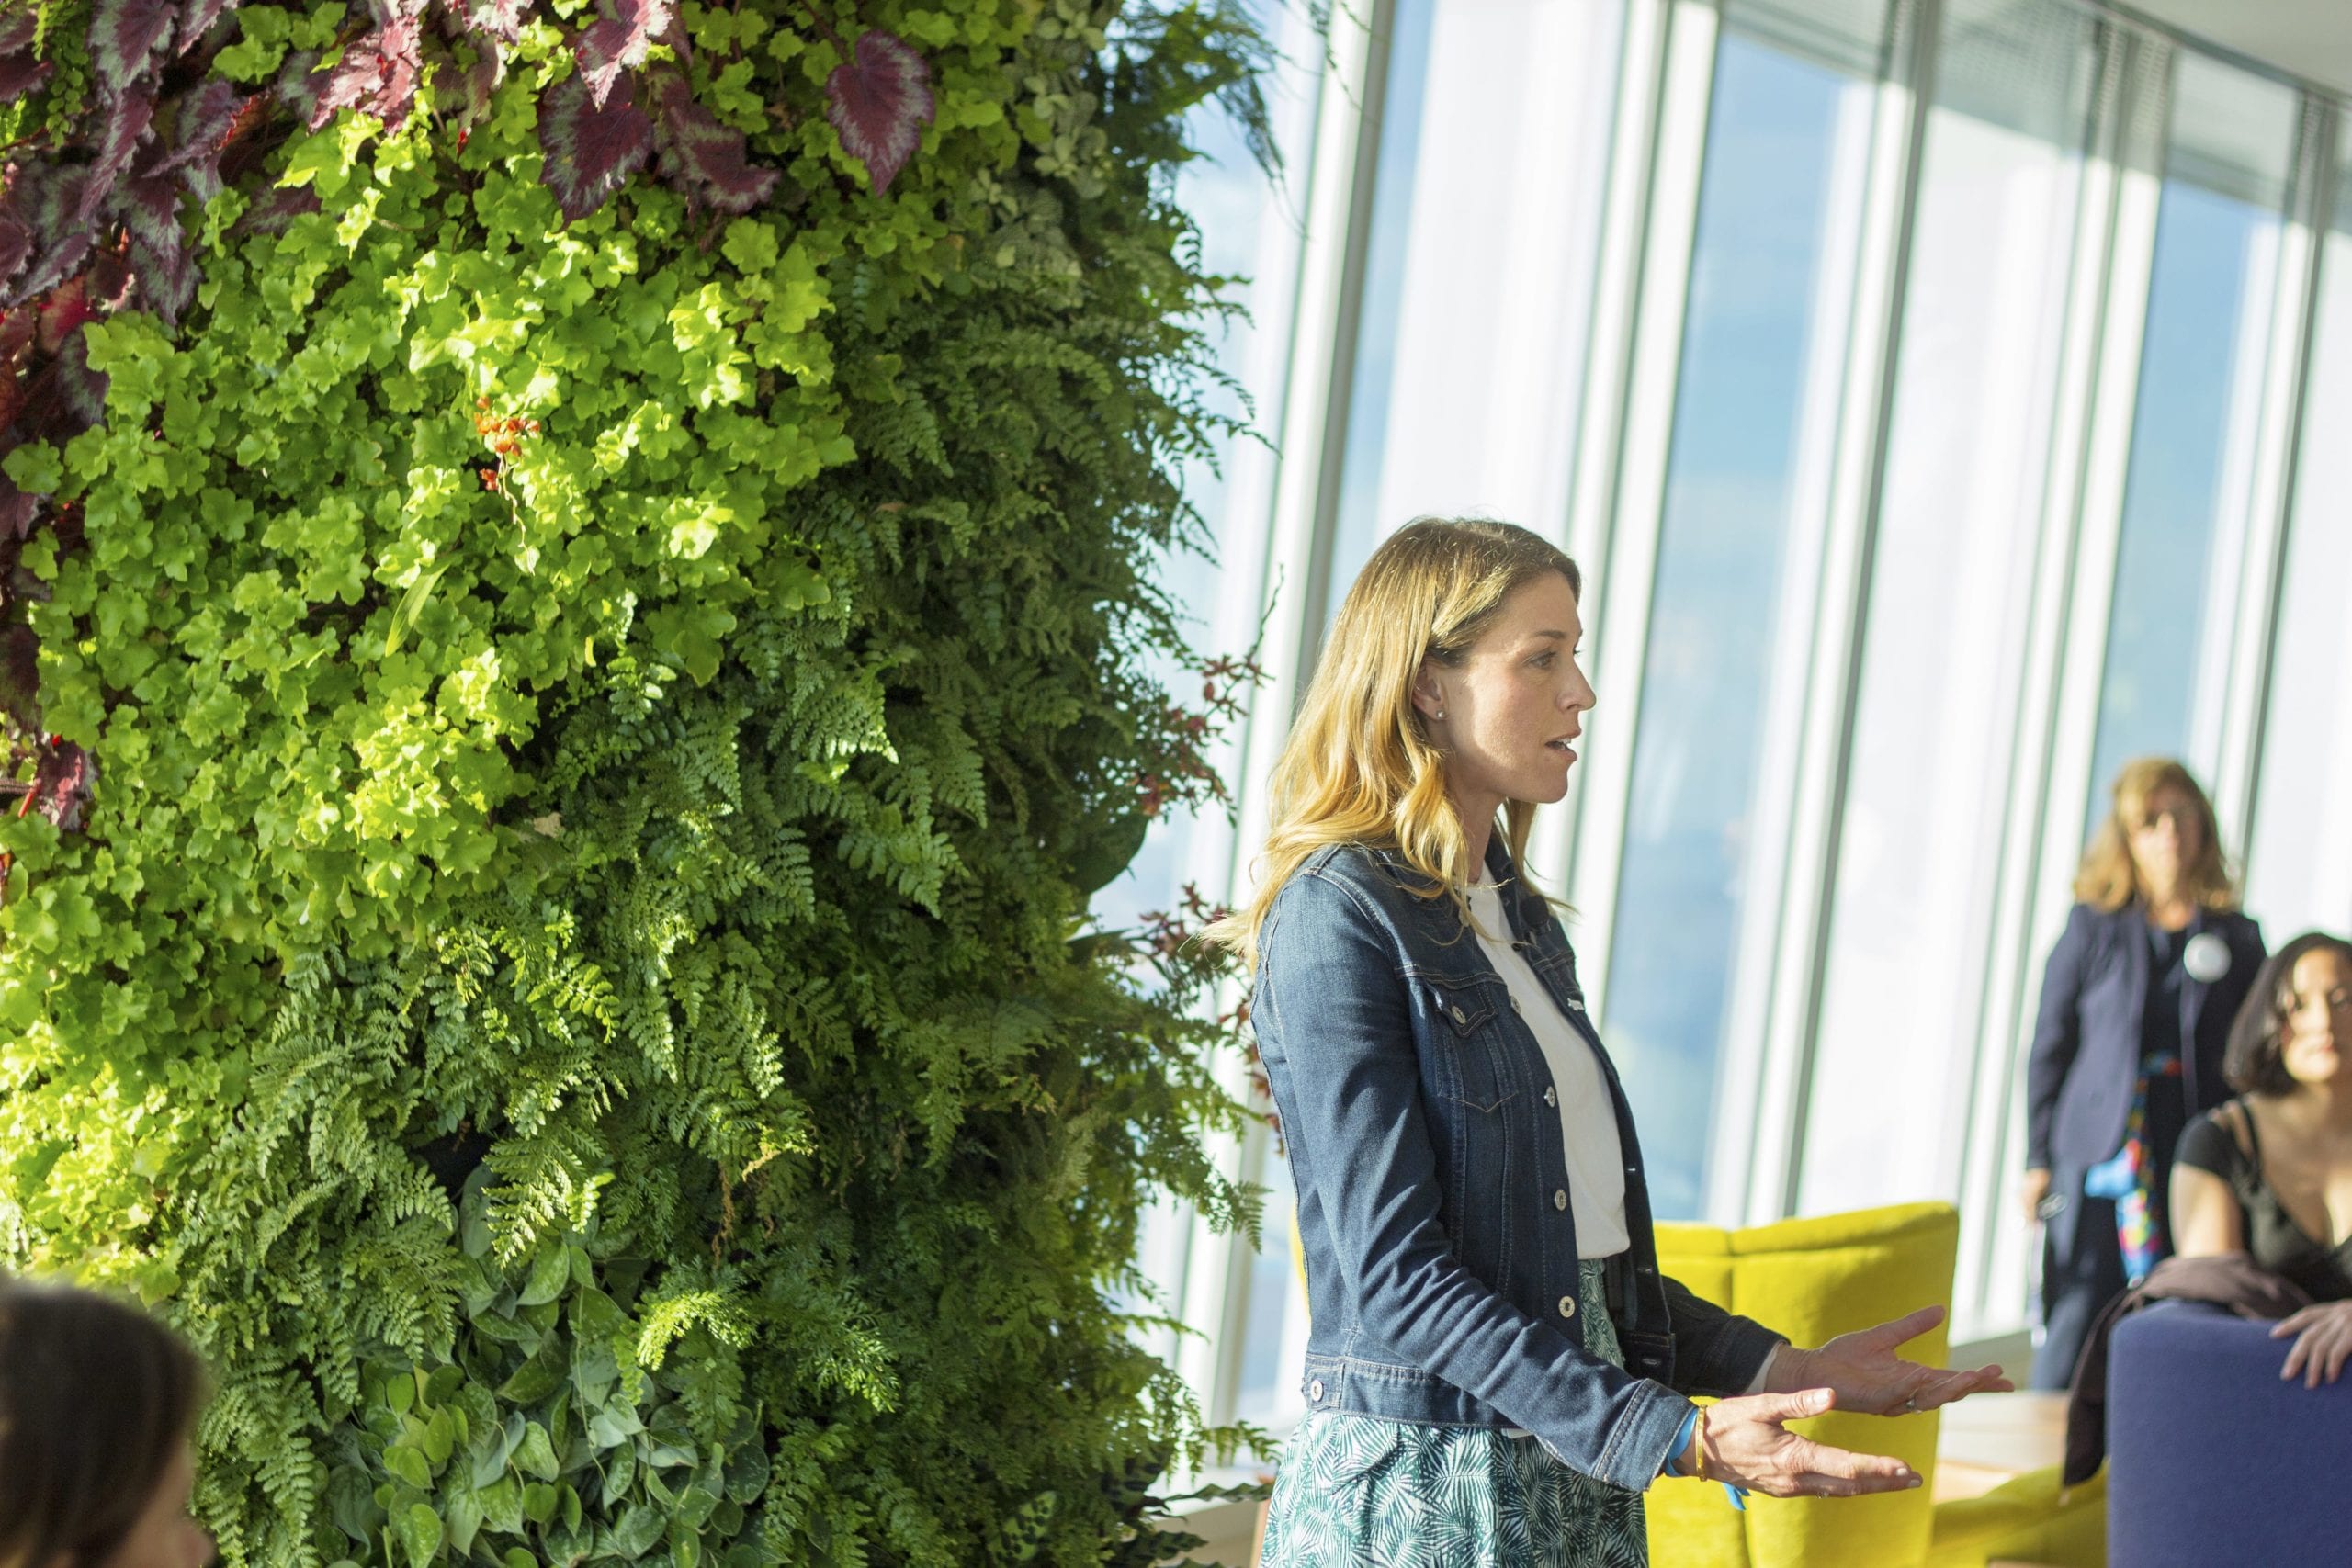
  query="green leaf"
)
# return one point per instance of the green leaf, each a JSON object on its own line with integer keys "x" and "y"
{"x": 419, "y": 1529}
{"x": 539, "y": 1502}
{"x": 634, "y": 1533}
{"x": 409, "y": 1466}
{"x": 534, "y": 1455}
{"x": 551, "y": 1271}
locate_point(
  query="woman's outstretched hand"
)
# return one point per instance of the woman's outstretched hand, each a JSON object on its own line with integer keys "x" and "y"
{"x": 1747, "y": 1442}
{"x": 1868, "y": 1375}
{"x": 2322, "y": 1342}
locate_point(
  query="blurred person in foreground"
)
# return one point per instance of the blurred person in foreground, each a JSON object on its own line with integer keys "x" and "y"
{"x": 2136, "y": 1009}
{"x": 98, "y": 1408}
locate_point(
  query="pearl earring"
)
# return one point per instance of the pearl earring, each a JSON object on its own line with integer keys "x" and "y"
{"x": 1439, "y": 716}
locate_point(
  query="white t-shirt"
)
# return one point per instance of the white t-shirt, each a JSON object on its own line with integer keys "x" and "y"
{"x": 1596, "y": 1173}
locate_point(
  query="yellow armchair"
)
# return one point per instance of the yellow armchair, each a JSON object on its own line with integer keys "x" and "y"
{"x": 1814, "y": 1280}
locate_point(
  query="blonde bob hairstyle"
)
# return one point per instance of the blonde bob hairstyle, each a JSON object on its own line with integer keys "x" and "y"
{"x": 2109, "y": 879}
{"x": 1359, "y": 766}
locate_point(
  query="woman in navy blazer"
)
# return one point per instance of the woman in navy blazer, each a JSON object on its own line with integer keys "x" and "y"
{"x": 2136, "y": 1007}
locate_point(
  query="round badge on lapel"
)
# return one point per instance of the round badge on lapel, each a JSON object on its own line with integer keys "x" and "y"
{"x": 2207, "y": 958}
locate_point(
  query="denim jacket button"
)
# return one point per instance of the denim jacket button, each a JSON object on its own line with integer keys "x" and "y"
{"x": 1459, "y": 1016}
{"x": 1550, "y": 1098}
{"x": 1315, "y": 1391}
{"x": 1567, "y": 1306}
{"x": 1560, "y": 1198}
{"x": 1514, "y": 1002}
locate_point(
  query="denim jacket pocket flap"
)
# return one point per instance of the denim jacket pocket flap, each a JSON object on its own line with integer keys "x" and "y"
{"x": 1465, "y": 1004}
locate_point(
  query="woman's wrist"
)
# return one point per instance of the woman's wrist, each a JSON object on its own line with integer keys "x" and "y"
{"x": 1786, "y": 1370}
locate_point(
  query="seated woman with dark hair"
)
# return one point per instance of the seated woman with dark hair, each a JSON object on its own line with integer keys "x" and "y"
{"x": 98, "y": 1405}
{"x": 2270, "y": 1174}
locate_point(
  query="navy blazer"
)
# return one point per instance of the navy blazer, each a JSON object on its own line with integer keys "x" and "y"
{"x": 2085, "y": 1057}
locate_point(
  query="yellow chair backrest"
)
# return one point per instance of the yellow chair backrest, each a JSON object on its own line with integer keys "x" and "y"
{"x": 1813, "y": 1280}
{"x": 1810, "y": 1280}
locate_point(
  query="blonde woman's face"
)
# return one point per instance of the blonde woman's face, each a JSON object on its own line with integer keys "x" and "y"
{"x": 1506, "y": 714}
{"x": 2319, "y": 1024}
{"x": 2167, "y": 838}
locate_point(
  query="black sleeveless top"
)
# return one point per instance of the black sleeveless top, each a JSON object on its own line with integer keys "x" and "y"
{"x": 2272, "y": 1237}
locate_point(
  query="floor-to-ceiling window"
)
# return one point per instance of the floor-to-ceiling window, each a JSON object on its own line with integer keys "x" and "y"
{"x": 1915, "y": 378}
{"x": 1944, "y": 668}
{"x": 2298, "y": 870}
{"x": 2203, "y": 371}
{"x": 1470, "y": 359}
{"x": 1764, "y": 335}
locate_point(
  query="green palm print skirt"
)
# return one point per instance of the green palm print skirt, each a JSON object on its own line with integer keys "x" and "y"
{"x": 1355, "y": 1490}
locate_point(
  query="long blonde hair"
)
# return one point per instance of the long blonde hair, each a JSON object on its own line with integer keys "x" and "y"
{"x": 1359, "y": 766}
{"x": 2110, "y": 879}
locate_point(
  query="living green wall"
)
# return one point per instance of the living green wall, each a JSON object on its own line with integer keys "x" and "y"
{"x": 570, "y": 678}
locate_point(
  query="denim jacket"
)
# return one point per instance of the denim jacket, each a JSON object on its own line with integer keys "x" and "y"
{"x": 1441, "y": 1266}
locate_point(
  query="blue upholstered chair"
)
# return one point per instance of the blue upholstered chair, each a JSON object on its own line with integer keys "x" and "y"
{"x": 2210, "y": 1458}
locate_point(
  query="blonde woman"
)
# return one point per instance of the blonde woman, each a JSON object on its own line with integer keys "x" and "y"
{"x": 2128, "y": 1046}
{"x": 1494, "y": 1368}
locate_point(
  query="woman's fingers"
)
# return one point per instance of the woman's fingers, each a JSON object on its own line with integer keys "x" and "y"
{"x": 1903, "y": 1330}
{"x": 1867, "y": 1472}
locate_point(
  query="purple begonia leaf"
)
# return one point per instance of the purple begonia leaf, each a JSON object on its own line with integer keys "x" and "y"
{"x": 18, "y": 511}
{"x": 66, "y": 398}
{"x": 61, "y": 785}
{"x": 501, "y": 20}
{"x": 208, "y": 118}
{"x": 16, "y": 247}
{"x": 20, "y": 666}
{"x": 125, "y": 35}
{"x": 19, "y": 75}
{"x": 377, "y": 75}
{"x": 197, "y": 18}
{"x": 128, "y": 123}
{"x": 18, "y": 31}
{"x": 879, "y": 100}
{"x": 482, "y": 78}
{"x": 63, "y": 257}
{"x": 274, "y": 213}
{"x": 106, "y": 282}
{"x": 617, "y": 40}
{"x": 697, "y": 148}
{"x": 151, "y": 210}
{"x": 590, "y": 152}
{"x": 298, "y": 83}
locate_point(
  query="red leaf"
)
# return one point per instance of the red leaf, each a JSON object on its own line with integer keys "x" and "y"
{"x": 18, "y": 511}
{"x": 17, "y": 32}
{"x": 699, "y": 150}
{"x": 125, "y": 35}
{"x": 879, "y": 101}
{"x": 61, "y": 784}
{"x": 20, "y": 675}
{"x": 16, "y": 247}
{"x": 376, "y": 75}
{"x": 590, "y": 152}
{"x": 20, "y": 74}
{"x": 620, "y": 36}
{"x": 59, "y": 314}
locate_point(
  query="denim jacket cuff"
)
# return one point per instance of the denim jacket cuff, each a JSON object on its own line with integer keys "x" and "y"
{"x": 1639, "y": 1442}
